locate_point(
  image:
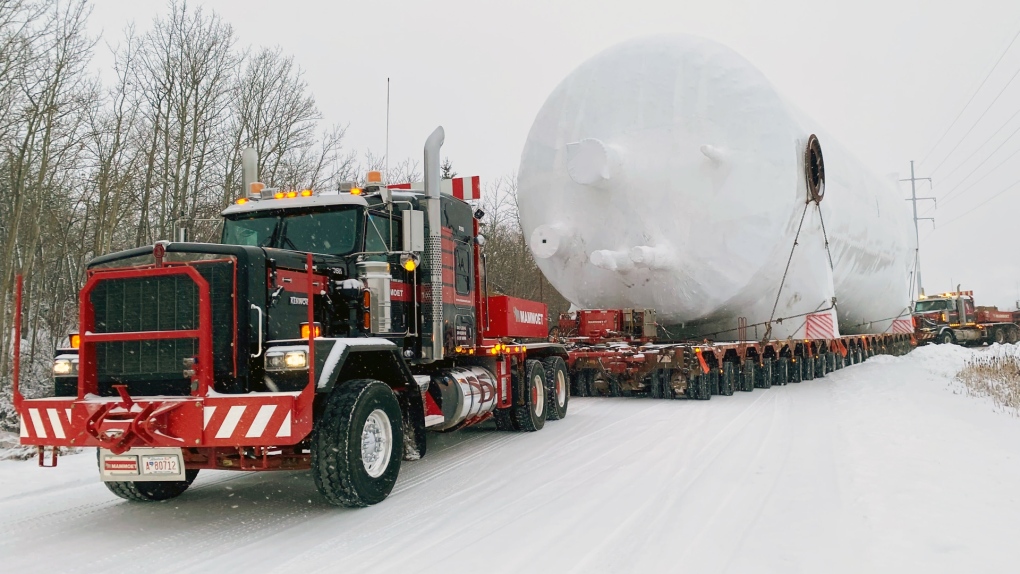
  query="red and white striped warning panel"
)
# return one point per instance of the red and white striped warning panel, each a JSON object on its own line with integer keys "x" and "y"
{"x": 248, "y": 420}
{"x": 231, "y": 422}
{"x": 466, "y": 188}
{"x": 45, "y": 422}
{"x": 820, "y": 326}
{"x": 902, "y": 326}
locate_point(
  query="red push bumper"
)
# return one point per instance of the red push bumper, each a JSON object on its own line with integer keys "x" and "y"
{"x": 117, "y": 424}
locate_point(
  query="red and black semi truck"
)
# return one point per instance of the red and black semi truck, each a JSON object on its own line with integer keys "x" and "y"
{"x": 326, "y": 331}
{"x": 952, "y": 317}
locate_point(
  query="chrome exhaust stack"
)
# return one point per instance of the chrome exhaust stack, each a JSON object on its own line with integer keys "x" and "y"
{"x": 434, "y": 244}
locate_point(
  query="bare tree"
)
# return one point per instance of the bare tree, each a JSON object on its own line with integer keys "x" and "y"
{"x": 510, "y": 267}
{"x": 44, "y": 136}
{"x": 86, "y": 169}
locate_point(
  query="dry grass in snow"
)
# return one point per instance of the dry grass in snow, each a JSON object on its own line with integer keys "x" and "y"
{"x": 994, "y": 374}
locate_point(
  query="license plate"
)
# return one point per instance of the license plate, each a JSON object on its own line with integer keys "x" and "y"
{"x": 161, "y": 465}
{"x": 142, "y": 464}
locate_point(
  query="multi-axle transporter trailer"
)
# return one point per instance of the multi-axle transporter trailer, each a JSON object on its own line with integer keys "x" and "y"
{"x": 615, "y": 353}
{"x": 325, "y": 332}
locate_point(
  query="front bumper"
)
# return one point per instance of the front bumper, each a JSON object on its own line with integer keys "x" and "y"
{"x": 120, "y": 423}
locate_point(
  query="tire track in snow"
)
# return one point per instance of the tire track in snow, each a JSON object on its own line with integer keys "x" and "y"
{"x": 316, "y": 555}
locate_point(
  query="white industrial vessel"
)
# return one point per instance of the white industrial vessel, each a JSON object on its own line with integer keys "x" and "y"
{"x": 667, "y": 173}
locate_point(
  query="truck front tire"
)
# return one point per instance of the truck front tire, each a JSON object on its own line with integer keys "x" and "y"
{"x": 357, "y": 444}
{"x": 946, "y": 338}
{"x": 151, "y": 491}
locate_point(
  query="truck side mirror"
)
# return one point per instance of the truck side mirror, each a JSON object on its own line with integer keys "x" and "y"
{"x": 414, "y": 231}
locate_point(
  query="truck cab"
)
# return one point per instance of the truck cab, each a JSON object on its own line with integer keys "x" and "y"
{"x": 326, "y": 331}
{"x": 952, "y": 317}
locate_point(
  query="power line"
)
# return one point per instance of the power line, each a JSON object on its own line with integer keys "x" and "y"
{"x": 965, "y": 106}
{"x": 990, "y": 138}
{"x": 977, "y": 121}
{"x": 971, "y": 210}
{"x": 950, "y": 195}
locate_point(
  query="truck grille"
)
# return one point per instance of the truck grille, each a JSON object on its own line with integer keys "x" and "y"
{"x": 161, "y": 303}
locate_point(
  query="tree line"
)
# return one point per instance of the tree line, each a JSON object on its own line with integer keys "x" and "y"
{"x": 90, "y": 165}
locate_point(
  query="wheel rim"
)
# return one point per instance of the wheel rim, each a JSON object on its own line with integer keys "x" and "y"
{"x": 376, "y": 443}
{"x": 561, "y": 389}
{"x": 537, "y": 395}
{"x": 1000, "y": 337}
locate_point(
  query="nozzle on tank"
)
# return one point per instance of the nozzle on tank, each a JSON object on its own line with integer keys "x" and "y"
{"x": 657, "y": 257}
{"x": 611, "y": 260}
{"x": 593, "y": 162}
{"x": 550, "y": 240}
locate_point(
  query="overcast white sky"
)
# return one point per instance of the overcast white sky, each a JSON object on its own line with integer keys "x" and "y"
{"x": 885, "y": 77}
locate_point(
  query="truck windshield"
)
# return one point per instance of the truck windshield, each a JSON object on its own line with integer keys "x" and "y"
{"x": 333, "y": 232}
{"x": 931, "y": 305}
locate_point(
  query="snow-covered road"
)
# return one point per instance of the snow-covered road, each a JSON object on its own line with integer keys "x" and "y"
{"x": 876, "y": 468}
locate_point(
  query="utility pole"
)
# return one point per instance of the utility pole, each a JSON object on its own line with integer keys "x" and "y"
{"x": 917, "y": 235}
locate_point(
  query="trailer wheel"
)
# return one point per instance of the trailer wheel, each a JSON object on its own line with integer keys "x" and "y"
{"x": 559, "y": 394}
{"x": 531, "y": 416}
{"x": 781, "y": 374}
{"x": 357, "y": 444}
{"x": 152, "y": 491}
{"x": 655, "y": 386}
{"x": 747, "y": 376}
{"x": 577, "y": 384}
{"x": 763, "y": 378}
{"x": 712, "y": 379}
{"x": 666, "y": 381}
{"x": 808, "y": 367}
{"x": 796, "y": 370}
{"x": 699, "y": 387}
{"x": 946, "y": 337}
{"x": 728, "y": 382}
{"x": 580, "y": 378}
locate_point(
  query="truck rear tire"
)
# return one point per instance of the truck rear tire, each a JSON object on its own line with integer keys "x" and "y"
{"x": 153, "y": 491}
{"x": 558, "y": 380}
{"x": 504, "y": 419}
{"x": 357, "y": 444}
{"x": 531, "y": 416}
{"x": 999, "y": 336}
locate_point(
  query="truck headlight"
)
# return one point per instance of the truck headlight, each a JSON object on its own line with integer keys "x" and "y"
{"x": 286, "y": 360}
{"x": 63, "y": 367}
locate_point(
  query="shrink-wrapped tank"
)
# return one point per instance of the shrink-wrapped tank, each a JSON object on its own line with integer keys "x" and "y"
{"x": 667, "y": 173}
